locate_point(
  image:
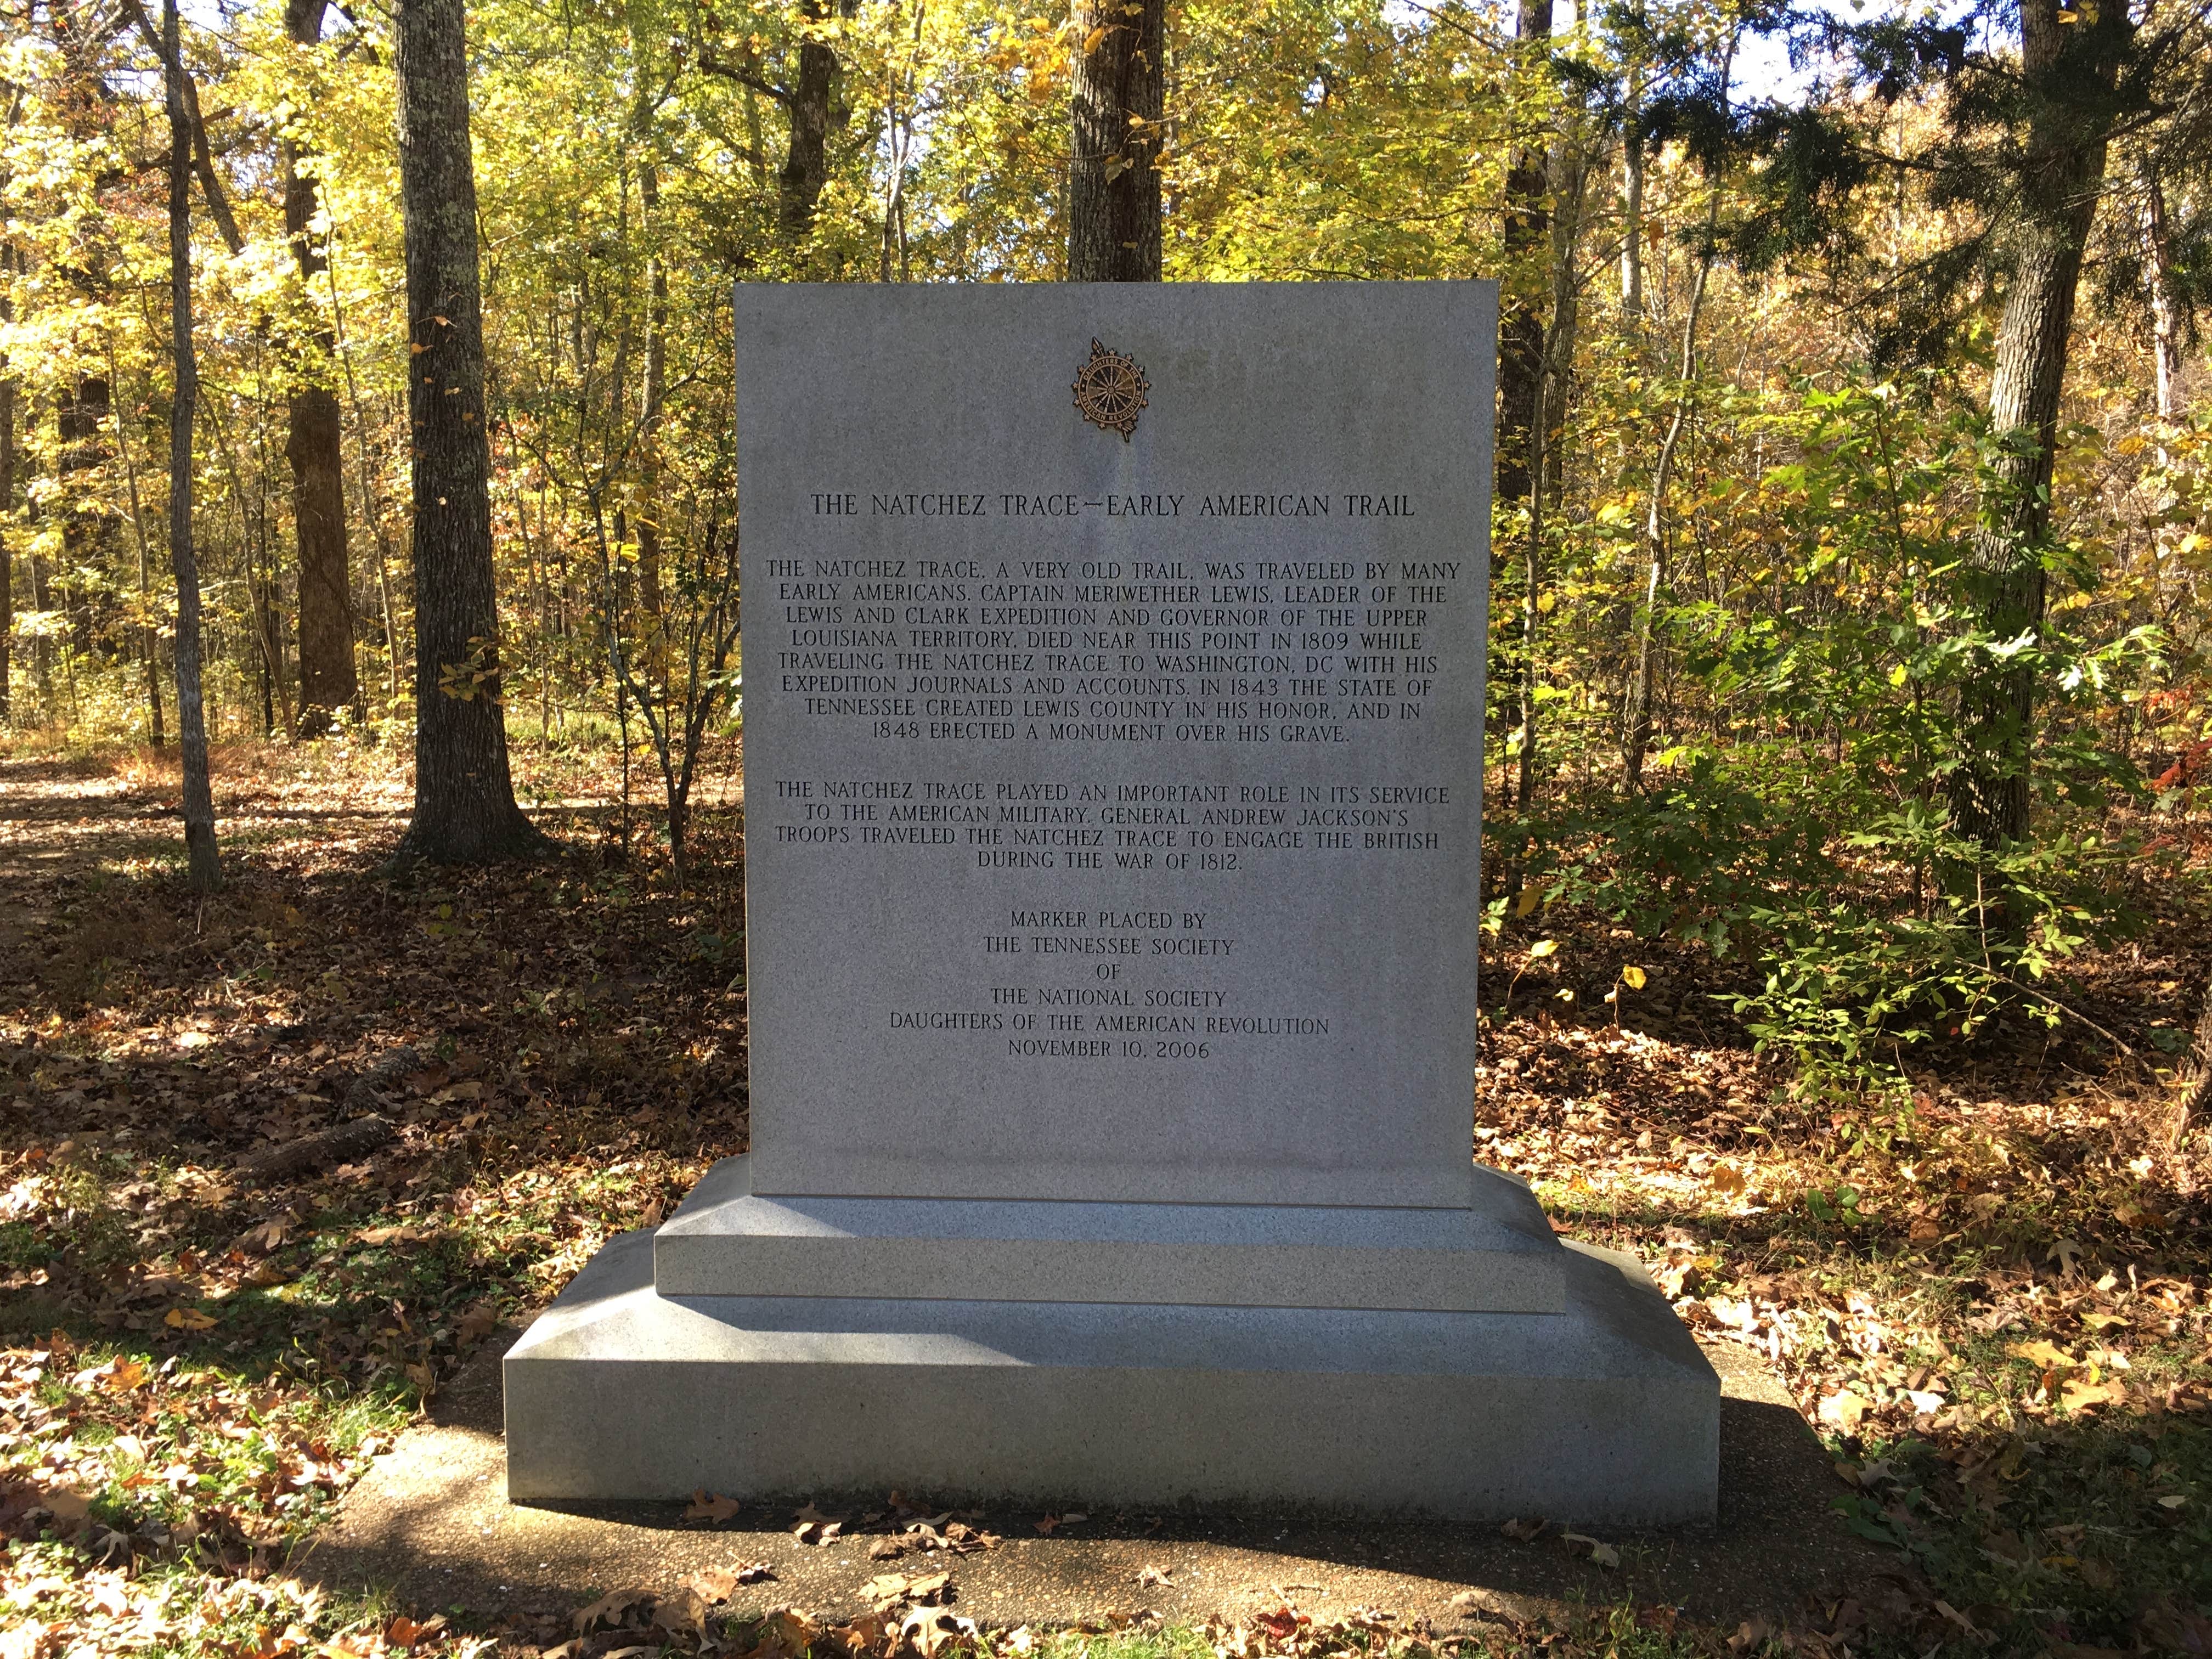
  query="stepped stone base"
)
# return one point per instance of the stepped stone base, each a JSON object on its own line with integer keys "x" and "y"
{"x": 1190, "y": 1361}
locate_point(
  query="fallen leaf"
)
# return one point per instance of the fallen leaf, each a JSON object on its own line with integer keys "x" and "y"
{"x": 1149, "y": 1576}
{"x": 716, "y": 1583}
{"x": 394, "y": 1235}
{"x": 784, "y": 1633}
{"x": 2082, "y": 1394}
{"x": 685, "y": 1610}
{"x": 610, "y": 1609}
{"x": 885, "y": 1549}
{"x": 1728, "y": 1180}
{"x": 893, "y": 1589}
{"x": 1525, "y": 1528}
{"x": 127, "y": 1375}
{"x": 188, "y": 1319}
{"x": 818, "y": 1532}
{"x": 1753, "y": 1635}
{"x": 1604, "y": 1554}
{"x": 706, "y": 1506}
{"x": 928, "y": 1630}
{"x": 404, "y": 1632}
{"x": 1842, "y": 1410}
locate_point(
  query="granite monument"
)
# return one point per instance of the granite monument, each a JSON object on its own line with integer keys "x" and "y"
{"x": 1113, "y": 709}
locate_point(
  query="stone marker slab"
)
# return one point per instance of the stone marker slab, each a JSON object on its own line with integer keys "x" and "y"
{"x": 1113, "y": 802}
{"x": 1112, "y": 674}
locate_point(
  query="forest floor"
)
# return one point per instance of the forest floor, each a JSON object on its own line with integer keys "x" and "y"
{"x": 1991, "y": 1302}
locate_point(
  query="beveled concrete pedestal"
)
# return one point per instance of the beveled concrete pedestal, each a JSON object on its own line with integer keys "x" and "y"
{"x": 1448, "y": 1361}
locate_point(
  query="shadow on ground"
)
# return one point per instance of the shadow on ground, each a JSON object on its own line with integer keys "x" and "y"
{"x": 431, "y": 1524}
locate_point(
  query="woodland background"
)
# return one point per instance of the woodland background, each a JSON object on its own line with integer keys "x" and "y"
{"x": 1771, "y": 581}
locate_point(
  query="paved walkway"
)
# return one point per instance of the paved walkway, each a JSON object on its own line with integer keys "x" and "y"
{"x": 431, "y": 1523}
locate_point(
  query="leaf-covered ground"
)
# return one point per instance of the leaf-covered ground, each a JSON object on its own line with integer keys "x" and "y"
{"x": 1991, "y": 1301}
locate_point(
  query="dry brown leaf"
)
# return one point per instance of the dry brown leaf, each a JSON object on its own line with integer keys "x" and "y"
{"x": 1148, "y": 1576}
{"x": 404, "y": 1632}
{"x": 818, "y": 1532}
{"x": 711, "y": 1506}
{"x": 929, "y": 1630}
{"x": 478, "y": 1323}
{"x": 610, "y": 1609}
{"x": 685, "y": 1610}
{"x": 2082, "y": 1394}
{"x": 892, "y": 1589}
{"x": 783, "y": 1633}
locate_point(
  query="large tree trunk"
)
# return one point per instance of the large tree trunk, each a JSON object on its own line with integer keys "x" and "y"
{"x": 7, "y": 454}
{"x": 1527, "y": 239}
{"x": 7, "y": 523}
{"x": 313, "y": 446}
{"x": 2060, "y": 176}
{"x": 7, "y": 515}
{"x": 204, "y": 868}
{"x": 1118, "y": 98}
{"x": 464, "y": 810}
{"x": 806, "y": 164}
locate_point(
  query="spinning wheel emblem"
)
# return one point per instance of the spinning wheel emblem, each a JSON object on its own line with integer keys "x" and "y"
{"x": 1109, "y": 390}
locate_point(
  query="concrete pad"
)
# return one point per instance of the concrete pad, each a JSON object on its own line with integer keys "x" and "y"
{"x": 1496, "y": 1255}
{"x": 1605, "y": 1413}
{"x": 430, "y": 1523}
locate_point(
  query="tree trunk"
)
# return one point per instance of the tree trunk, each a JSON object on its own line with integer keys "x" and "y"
{"x": 2060, "y": 173}
{"x": 2164, "y": 314}
{"x": 806, "y": 164}
{"x": 2192, "y": 1081}
{"x": 204, "y": 867}
{"x": 653, "y": 394}
{"x": 313, "y": 445}
{"x": 6, "y": 458}
{"x": 1527, "y": 239}
{"x": 1569, "y": 170}
{"x": 79, "y": 416}
{"x": 7, "y": 524}
{"x": 464, "y": 810}
{"x": 1118, "y": 97}
{"x": 146, "y": 631}
{"x": 1632, "y": 204}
